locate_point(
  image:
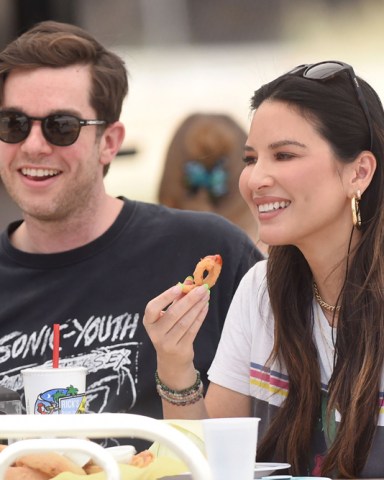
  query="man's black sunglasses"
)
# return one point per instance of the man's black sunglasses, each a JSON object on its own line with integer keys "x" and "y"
{"x": 324, "y": 71}
{"x": 61, "y": 130}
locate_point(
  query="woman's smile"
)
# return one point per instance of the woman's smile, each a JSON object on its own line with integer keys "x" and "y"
{"x": 272, "y": 206}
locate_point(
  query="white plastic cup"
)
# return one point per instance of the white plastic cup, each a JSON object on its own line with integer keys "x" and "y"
{"x": 55, "y": 390}
{"x": 230, "y": 445}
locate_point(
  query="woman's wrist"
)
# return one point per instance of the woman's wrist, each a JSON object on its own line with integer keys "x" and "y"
{"x": 182, "y": 397}
{"x": 176, "y": 376}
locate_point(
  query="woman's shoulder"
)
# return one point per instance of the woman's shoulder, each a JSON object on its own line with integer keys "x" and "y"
{"x": 253, "y": 286}
{"x": 257, "y": 274}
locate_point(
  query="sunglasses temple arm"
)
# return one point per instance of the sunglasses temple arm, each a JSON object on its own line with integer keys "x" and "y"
{"x": 364, "y": 106}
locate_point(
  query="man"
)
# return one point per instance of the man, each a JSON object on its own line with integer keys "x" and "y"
{"x": 81, "y": 258}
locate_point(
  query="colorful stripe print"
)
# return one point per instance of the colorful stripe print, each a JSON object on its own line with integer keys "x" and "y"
{"x": 274, "y": 382}
{"x": 269, "y": 380}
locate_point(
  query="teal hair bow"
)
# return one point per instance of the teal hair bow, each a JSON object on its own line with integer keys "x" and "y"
{"x": 214, "y": 180}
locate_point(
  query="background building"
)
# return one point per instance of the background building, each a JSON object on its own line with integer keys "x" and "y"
{"x": 193, "y": 55}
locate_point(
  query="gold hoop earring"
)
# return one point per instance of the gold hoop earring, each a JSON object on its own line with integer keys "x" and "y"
{"x": 355, "y": 206}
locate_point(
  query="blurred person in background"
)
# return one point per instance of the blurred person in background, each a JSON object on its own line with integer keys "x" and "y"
{"x": 80, "y": 257}
{"x": 302, "y": 346}
{"x": 202, "y": 169}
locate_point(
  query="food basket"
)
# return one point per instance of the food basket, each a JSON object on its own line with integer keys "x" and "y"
{"x": 36, "y": 433}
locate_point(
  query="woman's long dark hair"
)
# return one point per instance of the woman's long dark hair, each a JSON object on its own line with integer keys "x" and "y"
{"x": 335, "y": 112}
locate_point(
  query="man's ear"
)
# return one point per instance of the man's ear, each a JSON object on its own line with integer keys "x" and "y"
{"x": 363, "y": 169}
{"x": 111, "y": 141}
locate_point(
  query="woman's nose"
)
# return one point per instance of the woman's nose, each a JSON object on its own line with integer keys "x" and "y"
{"x": 260, "y": 176}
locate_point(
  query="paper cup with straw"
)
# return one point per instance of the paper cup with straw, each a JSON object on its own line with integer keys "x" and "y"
{"x": 56, "y": 389}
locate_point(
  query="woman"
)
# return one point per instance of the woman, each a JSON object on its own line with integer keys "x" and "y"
{"x": 303, "y": 343}
{"x": 202, "y": 168}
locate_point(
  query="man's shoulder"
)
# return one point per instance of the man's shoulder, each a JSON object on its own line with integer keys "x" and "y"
{"x": 205, "y": 231}
{"x": 191, "y": 218}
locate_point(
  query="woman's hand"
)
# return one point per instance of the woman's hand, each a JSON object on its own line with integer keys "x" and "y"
{"x": 172, "y": 321}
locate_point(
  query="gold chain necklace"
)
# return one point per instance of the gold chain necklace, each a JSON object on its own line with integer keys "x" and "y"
{"x": 322, "y": 303}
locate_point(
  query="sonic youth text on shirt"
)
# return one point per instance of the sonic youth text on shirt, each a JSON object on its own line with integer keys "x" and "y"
{"x": 105, "y": 345}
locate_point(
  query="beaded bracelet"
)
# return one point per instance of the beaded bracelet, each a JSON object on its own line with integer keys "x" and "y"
{"x": 181, "y": 398}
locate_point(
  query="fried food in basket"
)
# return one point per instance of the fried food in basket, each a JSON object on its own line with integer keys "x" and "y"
{"x": 142, "y": 459}
{"x": 45, "y": 466}
{"x": 207, "y": 272}
{"x": 91, "y": 468}
{"x": 51, "y": 464}
{"x": 25, "y": 473}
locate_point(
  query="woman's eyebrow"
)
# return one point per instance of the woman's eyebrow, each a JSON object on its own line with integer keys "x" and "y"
{"x": 248, "y": 148}
{"x": 284, "y": 143}
{"x": 280, "y": 143}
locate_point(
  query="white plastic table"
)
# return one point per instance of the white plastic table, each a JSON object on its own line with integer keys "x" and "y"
{"x": 36, "y": 433}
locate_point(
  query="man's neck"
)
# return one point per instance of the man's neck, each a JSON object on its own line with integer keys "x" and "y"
{"x": 36, "y": 236}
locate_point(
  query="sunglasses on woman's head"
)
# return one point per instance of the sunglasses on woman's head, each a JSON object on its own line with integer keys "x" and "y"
{"x": 324, "y": 71}
{"x": 61, "y": 130}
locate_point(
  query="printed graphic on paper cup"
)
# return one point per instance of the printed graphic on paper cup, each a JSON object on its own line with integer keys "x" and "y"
{"x": 60, "y": 401}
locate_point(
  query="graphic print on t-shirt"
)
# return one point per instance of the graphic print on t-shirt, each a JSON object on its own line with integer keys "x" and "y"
{"x": 105, "y": 345}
